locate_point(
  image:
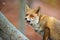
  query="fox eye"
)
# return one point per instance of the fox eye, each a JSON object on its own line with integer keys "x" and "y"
{"x": 26, "y": 14}
{"x": 31, "y": 15}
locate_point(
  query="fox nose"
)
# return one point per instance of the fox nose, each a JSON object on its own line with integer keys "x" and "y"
{"x": 25, "y": 18}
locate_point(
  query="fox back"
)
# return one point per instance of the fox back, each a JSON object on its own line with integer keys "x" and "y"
{"x": 49, "y": 25}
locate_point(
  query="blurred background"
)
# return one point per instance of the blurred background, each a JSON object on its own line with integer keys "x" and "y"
{"x": 48, "y": 7}
{"x": 11, "y": 10}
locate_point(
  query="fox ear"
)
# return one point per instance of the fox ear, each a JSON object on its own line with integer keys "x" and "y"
{"x": 27, "y": 7}
{"x": 37, "y": 9}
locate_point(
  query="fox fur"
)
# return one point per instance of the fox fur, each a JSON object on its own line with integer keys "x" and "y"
{"x": 43, "y": 23}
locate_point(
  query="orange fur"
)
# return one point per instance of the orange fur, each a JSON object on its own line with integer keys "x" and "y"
{"x": 50, "y": 25}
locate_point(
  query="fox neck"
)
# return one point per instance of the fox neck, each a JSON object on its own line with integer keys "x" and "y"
{"x": 36, "y": 23}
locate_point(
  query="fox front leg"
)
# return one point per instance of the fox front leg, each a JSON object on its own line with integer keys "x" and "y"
{"x": 46, "y": 33}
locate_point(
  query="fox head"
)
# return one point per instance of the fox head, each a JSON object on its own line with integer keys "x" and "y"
{"x": 32, "y": 15}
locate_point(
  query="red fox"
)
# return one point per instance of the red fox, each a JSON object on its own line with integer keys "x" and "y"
{"x": 49, "y": 25}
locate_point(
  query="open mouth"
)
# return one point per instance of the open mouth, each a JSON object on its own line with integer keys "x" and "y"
{"x": 28, "y": 22}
